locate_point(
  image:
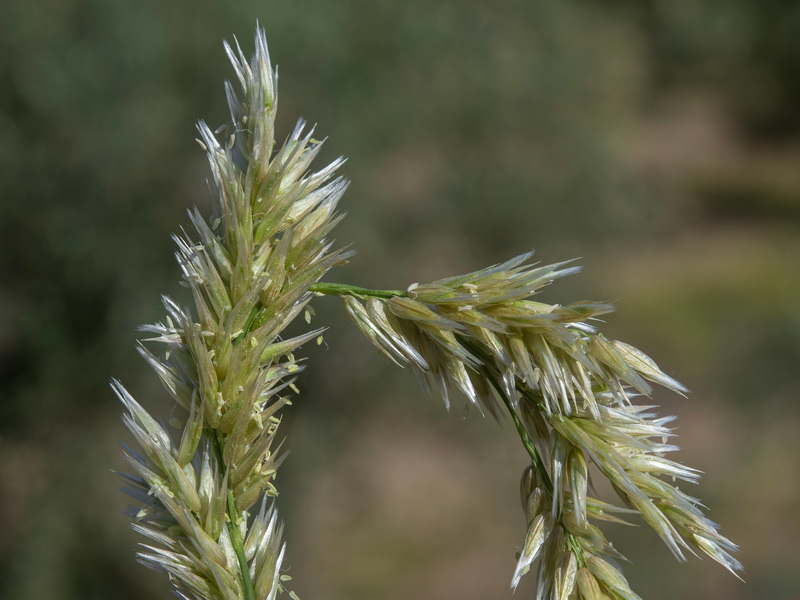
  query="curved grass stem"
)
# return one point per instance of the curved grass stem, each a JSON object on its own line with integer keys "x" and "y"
{"x": 524, "y": 436}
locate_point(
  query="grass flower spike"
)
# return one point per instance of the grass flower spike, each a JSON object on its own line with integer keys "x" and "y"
{"x": 570, "y": 392}
{"x": 202, "y": 484}
{"x": 226, "y": 364}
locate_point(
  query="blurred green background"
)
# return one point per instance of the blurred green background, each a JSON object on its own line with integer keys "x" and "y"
{"x": 658, "y": 139}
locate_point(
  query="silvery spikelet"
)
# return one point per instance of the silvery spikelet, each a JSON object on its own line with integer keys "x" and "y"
{"x": 253, "y": 267}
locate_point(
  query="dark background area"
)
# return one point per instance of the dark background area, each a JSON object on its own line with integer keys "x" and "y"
{"x": 658, "y": 139}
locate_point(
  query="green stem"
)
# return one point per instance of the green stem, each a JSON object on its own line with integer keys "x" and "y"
{"x": 572, "y": 542}
{"x": 238, "y": 547}
{"x": 344, "y": 289}
{"x": 235, "y": 533}
{"x": 527, "y": 442}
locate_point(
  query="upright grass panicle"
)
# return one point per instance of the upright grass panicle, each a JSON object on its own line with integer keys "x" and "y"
{"x": 249, "y": 271}
{"x": 253, "y": 268}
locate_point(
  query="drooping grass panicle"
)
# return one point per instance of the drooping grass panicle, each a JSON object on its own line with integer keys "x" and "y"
{"x": 571, "y": 392}
{"x": 249, "y": 269}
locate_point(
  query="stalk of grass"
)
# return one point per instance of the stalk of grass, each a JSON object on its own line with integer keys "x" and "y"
{"x": 253, "y": 267}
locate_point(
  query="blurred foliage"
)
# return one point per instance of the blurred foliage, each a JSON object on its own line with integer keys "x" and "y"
{"x": 660, "y": 139}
